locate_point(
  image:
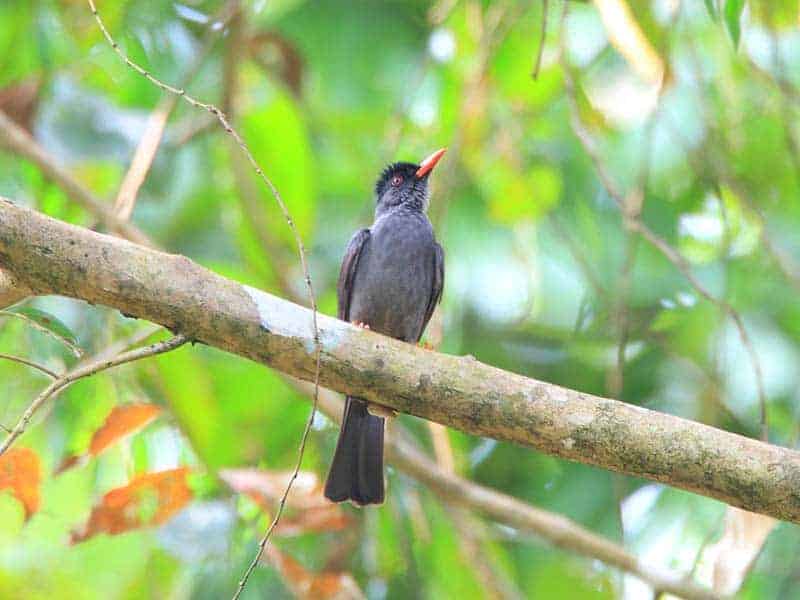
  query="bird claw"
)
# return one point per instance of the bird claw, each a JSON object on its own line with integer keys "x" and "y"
{"x": 378, "y": 410}
{"x": 361, "y": 325}
{"x": 426, "y": 346}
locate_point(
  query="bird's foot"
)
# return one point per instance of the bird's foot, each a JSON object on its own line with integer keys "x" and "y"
{"x": 378, "y": 410}
{"x": 427, "y": 346}
{"x": 361, "y": 324}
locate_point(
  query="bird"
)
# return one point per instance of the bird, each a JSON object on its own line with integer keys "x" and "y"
{"x": 390, "y": 282}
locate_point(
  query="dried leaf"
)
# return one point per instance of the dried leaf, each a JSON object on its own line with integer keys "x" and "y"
{"x": 278, "y": 54}
{"x": 628, "y": 38}
{"x": 149, "y": 499}
{"x": 20, "y": 100}
{"x": 21, "y": 472}
{"x": 121, "y": 421}
{"x": 143, "y": 159}
{"x": 270, "y": 485}
{"x": 307, "y": 509}
{"x": 313, "y": 520}
{"x": 313, "y": 586}
{"x": 738, "y": 548}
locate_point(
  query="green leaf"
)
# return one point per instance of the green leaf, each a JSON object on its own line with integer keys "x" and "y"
{"x": 733, "y": 15}
{"x": 515, "y": 196}
{"x": 48, "y": 324}
{"x": 711, "y": 7}
{"x": 277, "y": 135}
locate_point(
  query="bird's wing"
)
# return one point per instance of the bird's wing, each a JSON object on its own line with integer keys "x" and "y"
{"x": 347, "y": 275}
{"x": 436, "y": 288}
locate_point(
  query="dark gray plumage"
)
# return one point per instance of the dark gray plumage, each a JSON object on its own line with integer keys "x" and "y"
{"x": 391, "y": 279}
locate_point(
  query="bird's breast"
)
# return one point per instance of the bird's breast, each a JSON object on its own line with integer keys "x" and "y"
{"x": 394, "y": 278}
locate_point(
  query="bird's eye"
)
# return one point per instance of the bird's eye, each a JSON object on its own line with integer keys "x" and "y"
{"x": 397, "y": 180}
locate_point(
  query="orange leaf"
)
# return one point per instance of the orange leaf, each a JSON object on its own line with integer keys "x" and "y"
{"x": 313, "y": 586}
{"x": 121, "y": 421}
{"x": 21, "y": 472}
{"x": 149, "y": 499}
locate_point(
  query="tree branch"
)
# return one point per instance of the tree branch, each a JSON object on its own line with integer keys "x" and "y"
{"x": 557, "y": 530}
{"x": 52, "y": 257}
{"x": 15, "y": 138}
{"x": 86, "y": 370}
{"x": 11, "y": 291}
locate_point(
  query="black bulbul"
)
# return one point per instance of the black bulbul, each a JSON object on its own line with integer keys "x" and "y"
{"x": 391, "y": 280}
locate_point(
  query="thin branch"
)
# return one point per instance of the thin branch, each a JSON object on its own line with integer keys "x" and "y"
{"x": 503, "y": 508}
{"x": 54, "y": 257}
{"x": 16, "y": 139}
{"x": 703, "y": 163}
{"x": 143, "y": 158}
{"x": 29, "y": 363}
{"x": 220, "y": 116}
{"x": 634, "y": 223}
{"x": 542, "y": 36}
{"x": 589, "y": 273}
{"x": 157, "y": 121}
{"x": 578, "y": 255}
{"x": 786, "y": 106}
{"x": 683, "y": 266}
{"x": 86, "y": 370}
{"x": 77, "y": 351}
{"x": 471, "y": 531}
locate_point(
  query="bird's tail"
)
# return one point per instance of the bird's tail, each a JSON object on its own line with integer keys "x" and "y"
{"x": 357, "y": 469}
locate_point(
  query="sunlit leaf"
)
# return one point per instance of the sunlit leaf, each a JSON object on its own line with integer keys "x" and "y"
{"x": 519, "y": 196}
{"x": 122, "y": 421}
{"x": 149, "y": 499}
{"x": 711, "y": 7}
{"x": 733, "y": 16}
{"x": 278, "y": 138}
{"x": 21, "y": 474}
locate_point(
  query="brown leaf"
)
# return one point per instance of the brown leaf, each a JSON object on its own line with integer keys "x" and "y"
{"x": 313, "y": 520}
{"x": 20, "y": 100}
{"x": 269, "y": 486}
{"x": 277, "y": 54}
{"x": 149, "y": 499}
{"x": 143, "y": 158}
{"x": 121, "y": 421}
{"x": 307, "y": 509}
{"x": 736, "y": 551}
{"x": 313, "y": 586}
{"x": 21, "y": 472}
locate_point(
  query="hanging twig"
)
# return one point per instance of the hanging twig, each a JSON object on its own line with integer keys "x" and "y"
{"x": 30, "y": 363}
{"x": 84, "y": 371}
{"x": 223, "y": 120}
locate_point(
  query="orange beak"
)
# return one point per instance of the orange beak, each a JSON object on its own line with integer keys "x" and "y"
{"x": 426, "y": 166}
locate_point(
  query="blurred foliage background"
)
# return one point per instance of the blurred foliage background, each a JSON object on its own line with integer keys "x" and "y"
{"x": 691, "y": 108}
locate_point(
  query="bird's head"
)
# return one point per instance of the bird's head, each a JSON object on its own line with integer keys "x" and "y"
{"x": 405, "y": 184}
